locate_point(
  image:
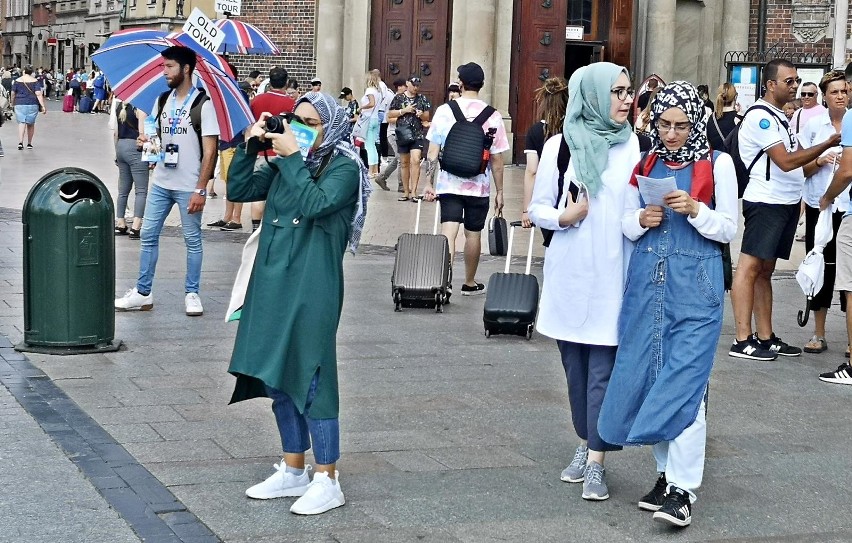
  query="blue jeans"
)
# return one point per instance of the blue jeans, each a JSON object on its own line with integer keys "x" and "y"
{"x": 157, "y": 208}
{"x": 298, "y": 431}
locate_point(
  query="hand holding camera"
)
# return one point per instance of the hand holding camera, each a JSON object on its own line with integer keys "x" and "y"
{"x": 273, "y": 132}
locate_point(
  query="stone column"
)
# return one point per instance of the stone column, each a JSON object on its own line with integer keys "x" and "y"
{"x": 841, "y": 19}
{"x": 735, "y": 23}
{"x": 329, "y": 44}
{"x": 474, "y": 40}
{"x": 660, "y": 32}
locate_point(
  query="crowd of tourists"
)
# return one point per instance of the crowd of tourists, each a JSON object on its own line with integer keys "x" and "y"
{"x": 656, "y": 203}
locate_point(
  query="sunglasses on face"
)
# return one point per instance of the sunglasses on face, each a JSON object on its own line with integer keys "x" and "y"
{"x": 808, "y": 94}
{"x": 789, "y": 81}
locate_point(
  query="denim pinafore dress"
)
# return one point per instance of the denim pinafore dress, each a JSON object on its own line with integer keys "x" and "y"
{"x": 669, "y": 325}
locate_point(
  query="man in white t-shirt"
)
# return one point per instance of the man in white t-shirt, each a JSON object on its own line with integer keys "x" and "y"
{"x": 466, "y": 200}
{"x": 180, "y": 177}
{"x": 771, "y": 206}
{"x": 810, "y": 108}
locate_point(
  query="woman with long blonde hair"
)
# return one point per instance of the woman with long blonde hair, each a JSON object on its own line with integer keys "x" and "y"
{"x": 368, "y": 123}
{"x": 724, "y": 117}
{"x": 552, "y": 100}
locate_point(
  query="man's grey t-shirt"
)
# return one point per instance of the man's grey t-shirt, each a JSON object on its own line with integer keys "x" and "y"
{"x": 185, "y": 176}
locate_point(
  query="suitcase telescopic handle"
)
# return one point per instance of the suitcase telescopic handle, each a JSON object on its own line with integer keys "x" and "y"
{"x": 513, "y": 224}
{"x": 437, "y": 214}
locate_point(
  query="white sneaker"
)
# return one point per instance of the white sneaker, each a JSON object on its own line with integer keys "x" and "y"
{"x": 193, "y": 305}
{"x": 133, "y": 301}
{"x": 281, "y": 484}
{"x": 322, "y": 495}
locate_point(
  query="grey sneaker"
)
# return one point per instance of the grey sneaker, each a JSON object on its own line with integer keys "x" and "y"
{"x": 576, "y": 470}
{"x": 594, "y": 483}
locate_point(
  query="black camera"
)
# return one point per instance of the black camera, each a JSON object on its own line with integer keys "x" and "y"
{"x": 275, "y": 125}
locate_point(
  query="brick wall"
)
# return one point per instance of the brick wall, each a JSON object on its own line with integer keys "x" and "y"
{"x": 779, "y": 31}
{"x": 291, "y": 24}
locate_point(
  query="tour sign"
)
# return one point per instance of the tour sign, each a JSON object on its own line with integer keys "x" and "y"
{"x": 231, "y": 7}
{"x": 203, "y": 31}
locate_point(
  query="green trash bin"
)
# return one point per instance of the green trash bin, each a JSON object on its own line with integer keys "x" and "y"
{"x": 69, "y": 265}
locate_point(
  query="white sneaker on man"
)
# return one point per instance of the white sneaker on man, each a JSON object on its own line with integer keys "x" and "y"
{"x": 133, "y": 301}
{"x": 193, "y": 305}
{"x": 281, "y": 484}
{"x": 322, "y": 495}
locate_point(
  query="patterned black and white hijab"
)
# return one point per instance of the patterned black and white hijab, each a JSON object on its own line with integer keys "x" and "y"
{"x": 684, "y": 96}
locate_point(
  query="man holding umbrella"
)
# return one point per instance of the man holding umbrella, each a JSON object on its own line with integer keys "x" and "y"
{"x": 186, "y": 165}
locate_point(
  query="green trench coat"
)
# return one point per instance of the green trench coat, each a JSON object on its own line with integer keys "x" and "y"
{"x": 288, "y": 326}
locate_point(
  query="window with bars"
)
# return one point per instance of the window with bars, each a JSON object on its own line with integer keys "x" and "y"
{"x": 582, "y": 13}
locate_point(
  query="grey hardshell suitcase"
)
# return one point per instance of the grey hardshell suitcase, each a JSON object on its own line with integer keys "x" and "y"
{"x": 422, "y": 271}
{"x": 511, "y": 301}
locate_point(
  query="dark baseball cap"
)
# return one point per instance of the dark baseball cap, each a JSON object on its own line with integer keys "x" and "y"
{"x": 471, "y": 74}
{"x": 344, "y": 92}
{"x": 415, "y": 80}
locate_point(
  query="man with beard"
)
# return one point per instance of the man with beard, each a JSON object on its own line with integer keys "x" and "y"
{"x": 186, "y": 164}
{"x": 770, "y": 208}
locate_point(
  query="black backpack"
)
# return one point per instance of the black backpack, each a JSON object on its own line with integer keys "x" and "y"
{"x": 194, "y": 112}
{"x": 732, "y": 147}
{"x": 463, "y": 151}
{"x": 562, "y": 161}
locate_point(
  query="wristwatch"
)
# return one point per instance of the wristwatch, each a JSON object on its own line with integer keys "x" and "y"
{"x": 201, "y": 192}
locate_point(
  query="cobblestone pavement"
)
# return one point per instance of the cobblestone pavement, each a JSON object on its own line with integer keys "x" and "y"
{"x": 446, "y": 435}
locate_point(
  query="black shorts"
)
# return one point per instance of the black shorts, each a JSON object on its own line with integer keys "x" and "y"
{"x": 470, "y": 210}
{"x": 769, "y": 229}
{"x": 417, "y": 145}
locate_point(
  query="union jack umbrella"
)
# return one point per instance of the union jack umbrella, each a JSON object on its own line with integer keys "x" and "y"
{"x": 244, "y": 38}
{"x": 131, "y": 61}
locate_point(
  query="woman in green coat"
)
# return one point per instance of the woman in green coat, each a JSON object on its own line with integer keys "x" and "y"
{"x": 285, "y": 347}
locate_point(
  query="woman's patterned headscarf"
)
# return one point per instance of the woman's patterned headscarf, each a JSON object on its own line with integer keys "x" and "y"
{"x": 684, "y": 96}
{"x": 696, "y": 150}
{"x": 336, "y": 130}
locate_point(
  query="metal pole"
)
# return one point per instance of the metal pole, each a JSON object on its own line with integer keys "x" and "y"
{"x": 761, "y": 27}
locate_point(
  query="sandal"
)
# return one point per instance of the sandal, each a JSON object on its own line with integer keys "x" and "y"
{"x": 135, "y": 234}
{"x": 120, "y": 230}
{"x": 816, "y": 345}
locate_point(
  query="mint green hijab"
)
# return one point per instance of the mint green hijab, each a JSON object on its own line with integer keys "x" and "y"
{"x": 588, "y": 128}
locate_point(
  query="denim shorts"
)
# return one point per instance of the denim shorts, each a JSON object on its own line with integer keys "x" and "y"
{"x": 27, "y": 113}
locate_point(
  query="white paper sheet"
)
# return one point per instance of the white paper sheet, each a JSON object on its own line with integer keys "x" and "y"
{"x": 653, "y": 190}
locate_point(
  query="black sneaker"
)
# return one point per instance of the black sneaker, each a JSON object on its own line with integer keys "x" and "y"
{"x": 217, "y": 224}
{"x": 777, "y": 346}
{"x": 472, "y": 291}
{"x": 751, "y": 349}
{"x": 231, "y": 226}
{"x": 676, "y": 509}
{"x": 653, "y": 500}
{"x": 841, "y": 376}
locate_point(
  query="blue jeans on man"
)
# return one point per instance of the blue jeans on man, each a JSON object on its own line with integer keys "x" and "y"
{"x": 157, "y": 208}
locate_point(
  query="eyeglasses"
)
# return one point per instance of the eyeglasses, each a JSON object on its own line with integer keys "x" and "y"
{"x": 680, "y": 128}
{"x": 789, "y": 81}
{"x": 621, "y": 93}
{"x": 808, "y": 94}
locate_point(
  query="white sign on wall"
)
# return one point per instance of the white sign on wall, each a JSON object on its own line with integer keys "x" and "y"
{"x": 203, "y": 31}
{"x": 228, "y": 6}
{"x": 573, "y": 32}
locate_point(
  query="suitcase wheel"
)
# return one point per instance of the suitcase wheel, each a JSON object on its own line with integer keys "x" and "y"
{"x": 487, "y": 333}
{"x": 397, "y": 300}
{"x": 529, "y": 331}
{"x": 439, "y": 302}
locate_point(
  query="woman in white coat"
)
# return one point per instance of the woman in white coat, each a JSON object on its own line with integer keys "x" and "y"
{"x": 585, "y": 262}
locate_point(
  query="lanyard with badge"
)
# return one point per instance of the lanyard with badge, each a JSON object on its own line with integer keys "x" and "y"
{"x": 171, "y": 150}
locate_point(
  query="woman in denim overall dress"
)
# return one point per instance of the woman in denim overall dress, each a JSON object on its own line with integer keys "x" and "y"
{"x": 671, "y": 316}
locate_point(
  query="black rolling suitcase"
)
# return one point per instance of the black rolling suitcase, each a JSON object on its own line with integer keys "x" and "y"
{"x": 511, "y": 302}
{"x": 421, "y": 272}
